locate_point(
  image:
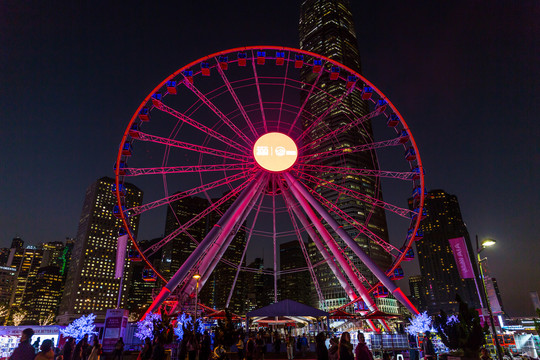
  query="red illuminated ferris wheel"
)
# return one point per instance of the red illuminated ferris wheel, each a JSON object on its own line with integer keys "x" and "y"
{"x": 266, "y": 135}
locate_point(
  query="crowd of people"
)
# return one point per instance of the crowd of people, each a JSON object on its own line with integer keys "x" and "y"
{"x": 72, "y": 350}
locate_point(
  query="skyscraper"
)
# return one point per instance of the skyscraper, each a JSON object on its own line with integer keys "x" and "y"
{"x": 441, "y": 279}
{"x": 295, "y": 286}
{"x": 326, "y": 27}
{"x": 90, "y": 284}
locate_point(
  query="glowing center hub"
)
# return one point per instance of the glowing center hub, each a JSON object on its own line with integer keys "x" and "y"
{"x": 275, "y": 152}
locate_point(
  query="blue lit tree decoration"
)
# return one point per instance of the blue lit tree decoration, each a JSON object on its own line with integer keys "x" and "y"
{"x": 420, "y": 324}
{"x": 184, "y": 323}
{"x": 80, "y": 327}
{"x": 145, "y": 327}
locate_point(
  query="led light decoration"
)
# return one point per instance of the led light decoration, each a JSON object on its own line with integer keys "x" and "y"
{"x": 145, "y": 327}
{"x": 420, "y": 324}
{"x": 80, "y": 327}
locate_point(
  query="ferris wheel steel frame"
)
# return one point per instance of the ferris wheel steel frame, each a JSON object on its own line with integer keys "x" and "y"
{"x": 210, "y": 250}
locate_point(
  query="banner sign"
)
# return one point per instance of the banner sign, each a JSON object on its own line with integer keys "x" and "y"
{"x": 120, "y": 256}
{"x": 115, "y": 325}
{"x": 461, "y": 255}
{"x": 490, "y": 290}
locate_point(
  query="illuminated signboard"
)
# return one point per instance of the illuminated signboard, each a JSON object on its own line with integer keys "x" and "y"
{"x": 275, "y": 152}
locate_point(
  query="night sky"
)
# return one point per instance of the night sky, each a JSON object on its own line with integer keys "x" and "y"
{"x": 465, "y": 76}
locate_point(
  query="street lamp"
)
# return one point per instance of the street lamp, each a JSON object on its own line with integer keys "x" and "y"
{"x": 197, "y": 277}
{"x": 487, "y": 243}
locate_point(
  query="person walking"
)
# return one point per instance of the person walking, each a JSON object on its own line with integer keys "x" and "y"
{"x": 320, "y": 346}
{"x": 290, "y": 347}
{"x": 240, "y": 347}
{"x": 362, "y": 352}
{"x": 333, "y": 351}
{"x": 46, "y": 351}
{"x": 67, "y": 350}
{"x": 192, "y": 347}
{"x": 146, "y": 351}
{"x": 345, "y": 347}
{"x": 25, "y": 351}
{"x": 206, "y": 349}
{"x": 118, "y": 352}
{"x": 158, "y": 351}
{"x": 250, "y": 348}
{"x": 427, "y": 346}
{"x": 96, "y": 351}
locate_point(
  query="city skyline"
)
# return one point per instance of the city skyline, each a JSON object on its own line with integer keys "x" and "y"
{"x": 62, "y": 70}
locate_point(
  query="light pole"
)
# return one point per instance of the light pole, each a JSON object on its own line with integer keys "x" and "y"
{"x": 487, "y": 243}
{"x": 197, "y": 277}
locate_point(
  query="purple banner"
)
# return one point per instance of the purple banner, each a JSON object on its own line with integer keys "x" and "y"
{"x": 461, "y": 254}
{"x": 120, "y": 256}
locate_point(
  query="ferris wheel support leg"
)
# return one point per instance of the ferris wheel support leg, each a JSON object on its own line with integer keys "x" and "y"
{"x": 214, "y": 255}
{"x": 389, "y": 284}
{"x": 336, "y": 252}
{"x": 223, "y": 225}
{"x": 326, "y": 255}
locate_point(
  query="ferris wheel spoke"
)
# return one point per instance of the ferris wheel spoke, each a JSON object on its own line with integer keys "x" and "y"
{"x": 154, "y": 248}
{"x": 137, "y": 210}
{"x": 248, "y": 240}
{"x": 161, "y": 106}
{"x": 223, "y": 226}
{"x": 187, "y": 169}
{"x": 187, "y": 146}
{"x": 304, "y": 250}
{"x": 218, "y": 112}
{"x": 301, "y": 110}
{"x": 360, "y": 172}
{"x": 352, "y": 149}
{"x": 259, "y": 92}
{"x": 332, "y": 106}
{"x": 208, "y": 262}
{"x": 343, "y": 128}
{"x": 406, "y": 213}
{"x": 237, "y": 101}
{"x": 329, "y": 258}
{"x": 378, "y": 273}
{"x": 389, "y": 248}
{"x": 344, "y": 261}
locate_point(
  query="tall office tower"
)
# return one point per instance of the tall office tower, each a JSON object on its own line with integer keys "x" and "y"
{"x": 140, "y": 289}
{"x": 43, "y": 295}
{"x": 498, "y": 293}
{"x": 16, "y": 252}
{"x": 296, "y": 286}
{"x": 258, "y": 286}
{"x": 7, "y": 280}
{"x": 326, "y": 27}
{"x": 177, "y": 250}
{"x": 437, "y": 264}
{"x": 91, "y": 285}
{"x": 26, "y": 273}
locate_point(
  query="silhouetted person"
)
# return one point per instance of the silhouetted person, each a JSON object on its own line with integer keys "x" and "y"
{"x": 24, "y": 351}
{"x": 47, "y": 352}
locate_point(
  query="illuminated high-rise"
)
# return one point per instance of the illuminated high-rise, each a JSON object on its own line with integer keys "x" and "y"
{"x": 440, "y": 277}
{"x": 326, "y": 27}
{"x": 91, "y": 285}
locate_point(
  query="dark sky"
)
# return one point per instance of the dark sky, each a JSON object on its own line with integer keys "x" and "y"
{"x": 464, "y": 74}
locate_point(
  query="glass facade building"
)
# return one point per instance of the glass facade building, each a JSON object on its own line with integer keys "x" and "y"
{"x": 91, "y": 285}
{"x": 326, "y": 27}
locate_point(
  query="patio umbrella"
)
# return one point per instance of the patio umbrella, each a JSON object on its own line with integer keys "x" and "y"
{"x": 221, "y": 315}
{"x": 378, "y": 315}
{"x": 340, "y": 314}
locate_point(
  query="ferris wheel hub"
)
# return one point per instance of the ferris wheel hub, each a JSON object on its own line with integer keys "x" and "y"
{"x": 275, "y": 152}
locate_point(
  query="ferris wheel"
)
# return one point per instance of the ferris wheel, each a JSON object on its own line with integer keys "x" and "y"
{"x": 271, "y": 137}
